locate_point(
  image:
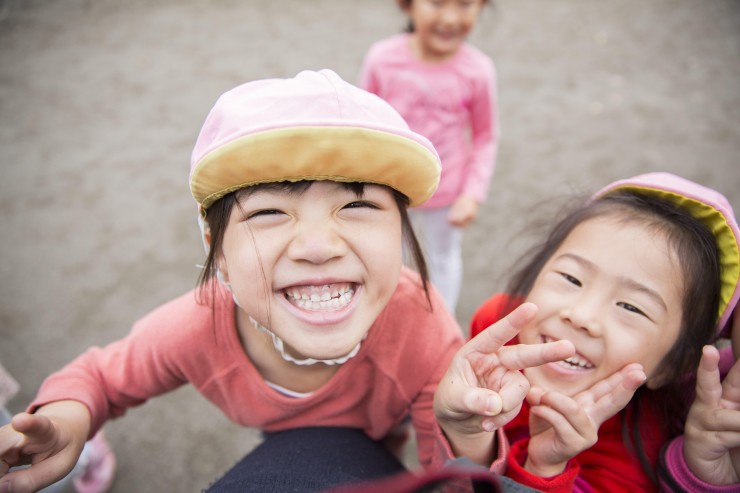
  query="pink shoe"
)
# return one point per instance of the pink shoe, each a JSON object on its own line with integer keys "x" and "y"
{"x": 100, "y": 470}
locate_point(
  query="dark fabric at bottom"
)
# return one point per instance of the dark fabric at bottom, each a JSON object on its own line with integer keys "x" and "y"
{"x": 308, "y": 460}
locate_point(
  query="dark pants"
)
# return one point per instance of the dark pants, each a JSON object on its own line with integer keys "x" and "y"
{"x": 308, "y": 460}
{"x": 312, "y": 460}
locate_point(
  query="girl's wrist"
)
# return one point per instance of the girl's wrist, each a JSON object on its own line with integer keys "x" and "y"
{"x": 479, "y": 447}
{"x": 544, "y": 470}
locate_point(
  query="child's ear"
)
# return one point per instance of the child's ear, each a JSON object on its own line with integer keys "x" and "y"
{"x": 222, "y": 271}
{"x": 205, "y": 233}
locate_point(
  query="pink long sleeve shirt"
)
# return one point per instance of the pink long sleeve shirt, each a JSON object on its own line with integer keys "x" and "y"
{"x": 452, "y": 103}
{"x": 407, "y": 351}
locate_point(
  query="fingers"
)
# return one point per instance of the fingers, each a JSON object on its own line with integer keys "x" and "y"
{"x": 513, "y": 391}
{"x": 498, "y": 334}
{"x": 524, "y": 356}
{"x": 572, "y": 424}
{"x": 731, "y": 387}
{"x": 480, "y": 402}
{"x": 609, "y": 396}
{"x": 708, "y": 386}
{"x": 36, "y": 477}
{"x": 34, "y": 426}
{"x": 562, "y": 412}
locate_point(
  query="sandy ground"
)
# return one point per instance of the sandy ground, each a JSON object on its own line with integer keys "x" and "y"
{"x": 101, "y": 101}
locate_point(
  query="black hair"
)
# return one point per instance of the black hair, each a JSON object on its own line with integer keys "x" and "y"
{"x": 698, "y": 255}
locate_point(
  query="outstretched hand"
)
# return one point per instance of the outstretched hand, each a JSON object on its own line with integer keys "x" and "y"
{"x": 50, "y": 440}
{"x": 712, "y": 432}
{"x": 483, "y": 388}
{"x": 561, "y": 427}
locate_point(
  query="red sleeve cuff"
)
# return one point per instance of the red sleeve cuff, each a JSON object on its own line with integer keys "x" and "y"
{"x": 563, "y": 482}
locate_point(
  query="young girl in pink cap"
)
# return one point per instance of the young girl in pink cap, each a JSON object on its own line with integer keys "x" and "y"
{"x": 639, "y": 278}
{"x": 445, "y": 89}
{"x": 305, "y": 317}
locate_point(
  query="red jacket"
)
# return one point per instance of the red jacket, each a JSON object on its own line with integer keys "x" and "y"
{"x": 608, "y": 466}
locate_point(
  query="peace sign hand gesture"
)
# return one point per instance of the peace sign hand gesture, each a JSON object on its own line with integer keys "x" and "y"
{"x": 483, "y": 388}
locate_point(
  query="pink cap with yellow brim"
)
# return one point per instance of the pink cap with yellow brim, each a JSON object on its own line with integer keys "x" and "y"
{"x": 713, "y": 210}
{"x": 314, "y": 126}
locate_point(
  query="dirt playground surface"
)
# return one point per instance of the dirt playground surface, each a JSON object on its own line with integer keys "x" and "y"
{"x": 101, "y": 102}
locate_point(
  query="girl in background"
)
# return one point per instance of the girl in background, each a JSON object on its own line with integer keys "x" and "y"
{"x": 446, "y": 90}
{"x": 639, "y": 279}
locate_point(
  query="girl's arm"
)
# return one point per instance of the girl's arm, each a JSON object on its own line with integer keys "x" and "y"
{"x": 485, "y": 133}
{"x": 483, "y": 388}
{"x": 51, "y": 440}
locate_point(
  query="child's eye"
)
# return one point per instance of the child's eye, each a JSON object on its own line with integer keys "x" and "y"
{"x": 359, "y": 204}
{"x": 632, "y": 308}
{"x": 571, "y": 279}
{"x": 264, "y": 212}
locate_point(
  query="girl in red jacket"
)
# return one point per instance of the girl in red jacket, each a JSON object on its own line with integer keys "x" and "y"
{"x": 639, "y": 279}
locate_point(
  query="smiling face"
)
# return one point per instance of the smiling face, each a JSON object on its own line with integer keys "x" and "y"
{"x": 441, "y": 26}
{"x": 614, "y": 289}
{"x": 315, "y": 267}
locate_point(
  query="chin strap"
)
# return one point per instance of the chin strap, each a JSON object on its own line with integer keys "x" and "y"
{"x": 280, "y": 348}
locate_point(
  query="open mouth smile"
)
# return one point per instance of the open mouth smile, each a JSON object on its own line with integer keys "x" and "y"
{"x": 576, "y": 362}
{"x": 324, "y": 298}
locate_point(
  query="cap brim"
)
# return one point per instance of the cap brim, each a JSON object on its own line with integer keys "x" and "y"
{"x": 341, "y": 153}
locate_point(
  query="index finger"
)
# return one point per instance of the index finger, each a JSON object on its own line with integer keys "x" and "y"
{"x": 498, "y": 334}
{"x": 523, "y": 356}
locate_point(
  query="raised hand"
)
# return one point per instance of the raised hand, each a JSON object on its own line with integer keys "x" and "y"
{"x": 561, "y": 427}
{"x": 50, "y": 440}
{"x": 712, "y": 432}
{"x": 483, "y": 388}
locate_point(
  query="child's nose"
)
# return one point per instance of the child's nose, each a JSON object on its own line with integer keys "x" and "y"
{"x": 586, "y": 313}
{"x": 317, "y": 242}
{"x": 450, "y": 14}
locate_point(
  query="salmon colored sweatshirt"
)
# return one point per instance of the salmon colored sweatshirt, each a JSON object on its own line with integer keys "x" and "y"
{"x": 395, "y": 373}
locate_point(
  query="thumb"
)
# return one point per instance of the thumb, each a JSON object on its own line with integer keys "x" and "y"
{"x": 480, "y": 401}
{"x": 34, "y": 426}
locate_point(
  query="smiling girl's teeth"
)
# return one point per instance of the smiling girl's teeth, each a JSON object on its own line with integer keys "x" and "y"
{"x": 328, "y": 297}
{"x": 574, "y": 362}
{"x": 578, "y": 362}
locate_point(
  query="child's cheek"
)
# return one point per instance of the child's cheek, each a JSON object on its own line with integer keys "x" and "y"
{"x": 530, "y": 335}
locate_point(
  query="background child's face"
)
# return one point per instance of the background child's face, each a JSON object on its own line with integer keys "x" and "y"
{"x": 330, "y": 261}
{"x": 441, "y": 26}
{"x": 614, "y": 289}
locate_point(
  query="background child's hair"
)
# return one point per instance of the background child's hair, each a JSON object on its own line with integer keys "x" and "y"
{"x": 219, "y": 213}
{"x": 698, "y": 257}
